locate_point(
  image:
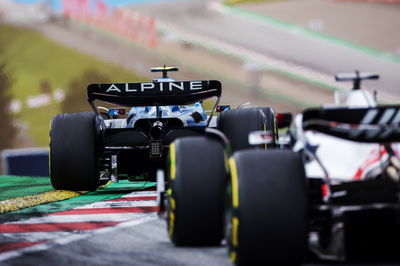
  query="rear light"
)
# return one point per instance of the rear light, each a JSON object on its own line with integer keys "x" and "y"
{"x": 221, "y": 108}
{"x": 325, "y": 191}
{"x": 155, "y": 148}
{"x": 283, "y": 119}
{"x": 261, "y": 137}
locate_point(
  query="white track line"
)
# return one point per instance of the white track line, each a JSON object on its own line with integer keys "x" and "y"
{"x": 119, "y": 204}
{"x": 140, "y": 194}
{"x": 54, "y": 238}
{"x": 108, "y": 217}
{"x": 37, "y": 236}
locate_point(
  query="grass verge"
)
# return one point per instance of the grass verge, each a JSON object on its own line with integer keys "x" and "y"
{"x": 32, "y": 59}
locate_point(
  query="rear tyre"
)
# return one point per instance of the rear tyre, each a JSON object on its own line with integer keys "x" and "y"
{"x": 267, "y": 223}
{"x": 73, "y": 163}
{"x": 197, "y": 181}
{"x": 236, "y": 124}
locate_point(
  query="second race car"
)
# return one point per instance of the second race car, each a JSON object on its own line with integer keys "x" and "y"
{"x": 335, "y": 192}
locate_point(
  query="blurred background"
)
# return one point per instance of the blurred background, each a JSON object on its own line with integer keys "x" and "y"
{"x": 279, "y": 53}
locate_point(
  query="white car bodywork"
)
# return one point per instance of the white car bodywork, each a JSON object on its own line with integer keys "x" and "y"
{"x": 344, "y": 160}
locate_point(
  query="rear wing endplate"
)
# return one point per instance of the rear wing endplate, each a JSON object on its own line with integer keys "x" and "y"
{"x": 154, "y": 93}
{"x": 373, "y": 125}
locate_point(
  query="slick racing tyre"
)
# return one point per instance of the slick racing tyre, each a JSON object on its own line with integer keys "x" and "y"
{"x": 267, "y": 218}
{"x": 197, "y": 182}
{"x": 73, "y": 164}
{"x": 236, "y": 124}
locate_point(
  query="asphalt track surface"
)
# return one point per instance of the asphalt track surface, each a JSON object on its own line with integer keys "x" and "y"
{"x": 145, "y": 244}
{"x": 193, "y": 16}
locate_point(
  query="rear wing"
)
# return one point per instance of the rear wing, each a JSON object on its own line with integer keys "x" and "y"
{"x": 154, "y": 93}
{"x": 356, "y": 77}
{"x": 373, "y": 125}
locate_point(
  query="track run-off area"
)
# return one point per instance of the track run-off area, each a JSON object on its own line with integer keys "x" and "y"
{"x": 49, "y": 217}
{"x": 117, "y": 224}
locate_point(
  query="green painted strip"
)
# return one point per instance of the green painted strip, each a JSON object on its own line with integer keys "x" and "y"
{"x": 19, "y": 186}
{"x": 300, "y": 30}
{"x": 113, "y": 191}
{"x": 23, "y": 202}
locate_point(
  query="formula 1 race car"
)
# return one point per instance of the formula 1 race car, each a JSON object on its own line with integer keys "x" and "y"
{"x": 334, "y": 193}
{"x": 165, "y": 131}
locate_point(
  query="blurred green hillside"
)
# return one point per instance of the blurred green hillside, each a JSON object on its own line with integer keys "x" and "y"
{"x": 33, "y": 60}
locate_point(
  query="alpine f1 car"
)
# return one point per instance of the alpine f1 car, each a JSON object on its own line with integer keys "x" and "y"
{"x": 166, "y": 132}
{"x": 335, "y": 192}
